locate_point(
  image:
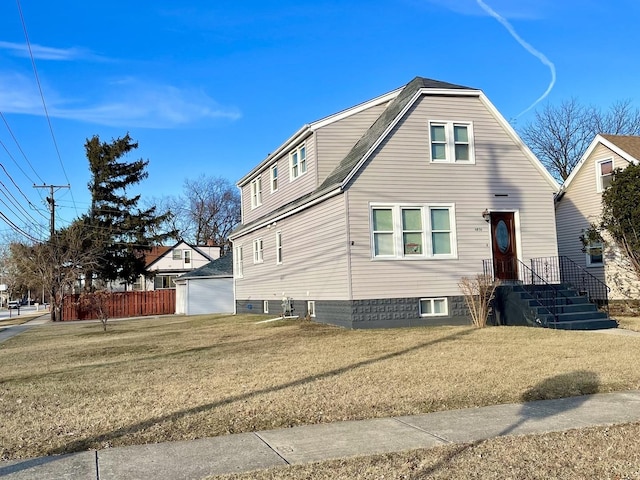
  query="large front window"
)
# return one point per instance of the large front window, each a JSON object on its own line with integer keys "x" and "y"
{"x": 413, "y": 231}
{"x": 451, "y": 142}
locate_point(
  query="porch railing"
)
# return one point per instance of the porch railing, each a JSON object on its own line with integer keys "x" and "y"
{"x": 563, "y": 270}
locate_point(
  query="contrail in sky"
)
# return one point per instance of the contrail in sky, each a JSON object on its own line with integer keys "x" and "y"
{"x": 528, "y": 48}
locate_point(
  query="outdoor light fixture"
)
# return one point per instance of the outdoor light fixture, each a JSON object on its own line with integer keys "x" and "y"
{"x": 486, "y": 215}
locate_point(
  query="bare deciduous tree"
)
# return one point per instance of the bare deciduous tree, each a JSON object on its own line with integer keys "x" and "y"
{"x": 208, "y": 209}
{"x": 559, "y": 135}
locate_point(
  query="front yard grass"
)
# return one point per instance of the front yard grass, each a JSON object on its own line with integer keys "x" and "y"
{"x": 630, "y": 323}
{"x": 66, "y": 388}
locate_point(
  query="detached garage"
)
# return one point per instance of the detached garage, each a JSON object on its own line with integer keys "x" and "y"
{"x": 208, "y": 289}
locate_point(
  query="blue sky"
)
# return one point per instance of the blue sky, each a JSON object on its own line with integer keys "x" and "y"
{"x": 212, "y": 87}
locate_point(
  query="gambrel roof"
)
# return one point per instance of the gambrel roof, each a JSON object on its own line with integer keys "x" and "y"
{"x": 401, "y": 101}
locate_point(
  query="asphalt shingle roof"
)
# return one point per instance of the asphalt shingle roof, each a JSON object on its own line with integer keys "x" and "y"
{"x": 220, "y": 267}
{"x": 628, "y": 143}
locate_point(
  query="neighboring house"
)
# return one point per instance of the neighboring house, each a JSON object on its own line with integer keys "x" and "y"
{"x": 165, "y": 264}
{"x": 579, "y": 204}
{"x": 370, "y": 217}
{"x": 208, "y": 289}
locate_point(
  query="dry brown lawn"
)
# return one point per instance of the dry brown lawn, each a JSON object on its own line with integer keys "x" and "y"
{"x": 589, "y": 453}
{"x": 630, "y": 323}
{"x": 67, "y": 388}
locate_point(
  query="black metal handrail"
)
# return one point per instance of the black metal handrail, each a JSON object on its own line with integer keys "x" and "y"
{"x": 565, "y": 271}
{"x": 520, "y": 274}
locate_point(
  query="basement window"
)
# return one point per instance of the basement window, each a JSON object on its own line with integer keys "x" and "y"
{"x": 434, "y": 307}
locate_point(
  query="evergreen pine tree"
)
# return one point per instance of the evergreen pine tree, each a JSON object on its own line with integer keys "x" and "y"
{"x": 122, "y": 231}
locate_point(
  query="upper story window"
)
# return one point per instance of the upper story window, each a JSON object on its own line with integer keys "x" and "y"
{"x": 256, "y": 192}
{"x": 451, "y": 142}
{"x": 274, "y": 178}
{"x": 421, "y": 231}
{"x": 298, "y": 162}
{"x": 258, "y": 255}
{"x": 604, "y": 174}
{"x": 187, "y": 256}
{"x": 177, "y": 254}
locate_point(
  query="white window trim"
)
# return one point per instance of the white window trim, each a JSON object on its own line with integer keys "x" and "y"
{"x": 450, "y": 142}
{"x": 238, "y": 263}
{"x": 588, "y": 261}
{"x": 432, "y": 300}
{"x": 279, "y": 247}
{"x": 256, "y": 192}
{"x": 265, "y": 306}
{"x": 599, "y": 187}
{"x": 187, "y": 256}
{"x": 427, "y": 247}
{"x": 177, "y": 251}
{"x": 274, "y": 178}
{"x": 311, "y": 308}
{"x": 297, "y": 150}
{"x": 258, "y": 251}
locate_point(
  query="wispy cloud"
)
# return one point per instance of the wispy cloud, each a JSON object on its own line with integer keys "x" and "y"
{"x": 124, "y": 103}
{"x": 540, "y": 56}
{"x": 41, "y": 52}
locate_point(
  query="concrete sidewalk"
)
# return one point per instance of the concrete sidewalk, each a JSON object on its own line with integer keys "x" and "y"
{"x": 36, "y": 318}
{"x": 251, "y": 451}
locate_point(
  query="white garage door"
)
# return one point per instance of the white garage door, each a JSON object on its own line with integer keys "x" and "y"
{"x": 210, "y": 295}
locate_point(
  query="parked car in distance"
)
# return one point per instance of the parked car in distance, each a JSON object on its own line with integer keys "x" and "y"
{"x": 14, "y": 304}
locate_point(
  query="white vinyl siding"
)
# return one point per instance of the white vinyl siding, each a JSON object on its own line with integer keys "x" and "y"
{"x": 581, "y": 205}
{"x": 288, "y": 190}
{"x": 315, "y": 261}
{"x": 503, "y": 178}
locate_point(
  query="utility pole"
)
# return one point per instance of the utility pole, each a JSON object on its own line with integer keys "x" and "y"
{"x": 52, "y": 206}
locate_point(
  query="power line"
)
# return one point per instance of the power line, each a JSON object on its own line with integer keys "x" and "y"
{"x": 21, "y": 151}
{"x": 18, "y": 229}
{"x": 20, "y": 190}
{"x": 44, "y": 104}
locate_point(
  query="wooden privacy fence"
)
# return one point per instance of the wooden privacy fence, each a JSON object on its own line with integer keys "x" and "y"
{"x": 123, "y": 305}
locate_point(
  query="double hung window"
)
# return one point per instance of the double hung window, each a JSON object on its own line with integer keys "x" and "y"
{"x": 604, "y": 174}
{"x": 451, "y": 142}
{"x": 257, "y": 251}
{"x": 413, "y": 231}
{"x": 298, "y": 162}
{"x": 237, "y": 260}
{"x": 256, "y": 192}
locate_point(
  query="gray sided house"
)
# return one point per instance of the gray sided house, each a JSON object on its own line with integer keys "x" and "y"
{"x": 370, "y": 217}
{"x": 208, "y": 289}
{"x": 579, "y": 204}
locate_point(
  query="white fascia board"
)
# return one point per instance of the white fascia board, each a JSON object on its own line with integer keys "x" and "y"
{"x": 516, "y": 138}
{"x": 416, "y": 96}
{"x": 323, "y": 122}
{"x": 284, "y": 215}
{"x": 592, "y": 146}
{"x": 294, "y": 139}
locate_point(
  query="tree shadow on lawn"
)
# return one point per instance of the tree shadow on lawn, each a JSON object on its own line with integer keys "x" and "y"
{"x": 90, "y": 442}
{"x": 567, "y": 392}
